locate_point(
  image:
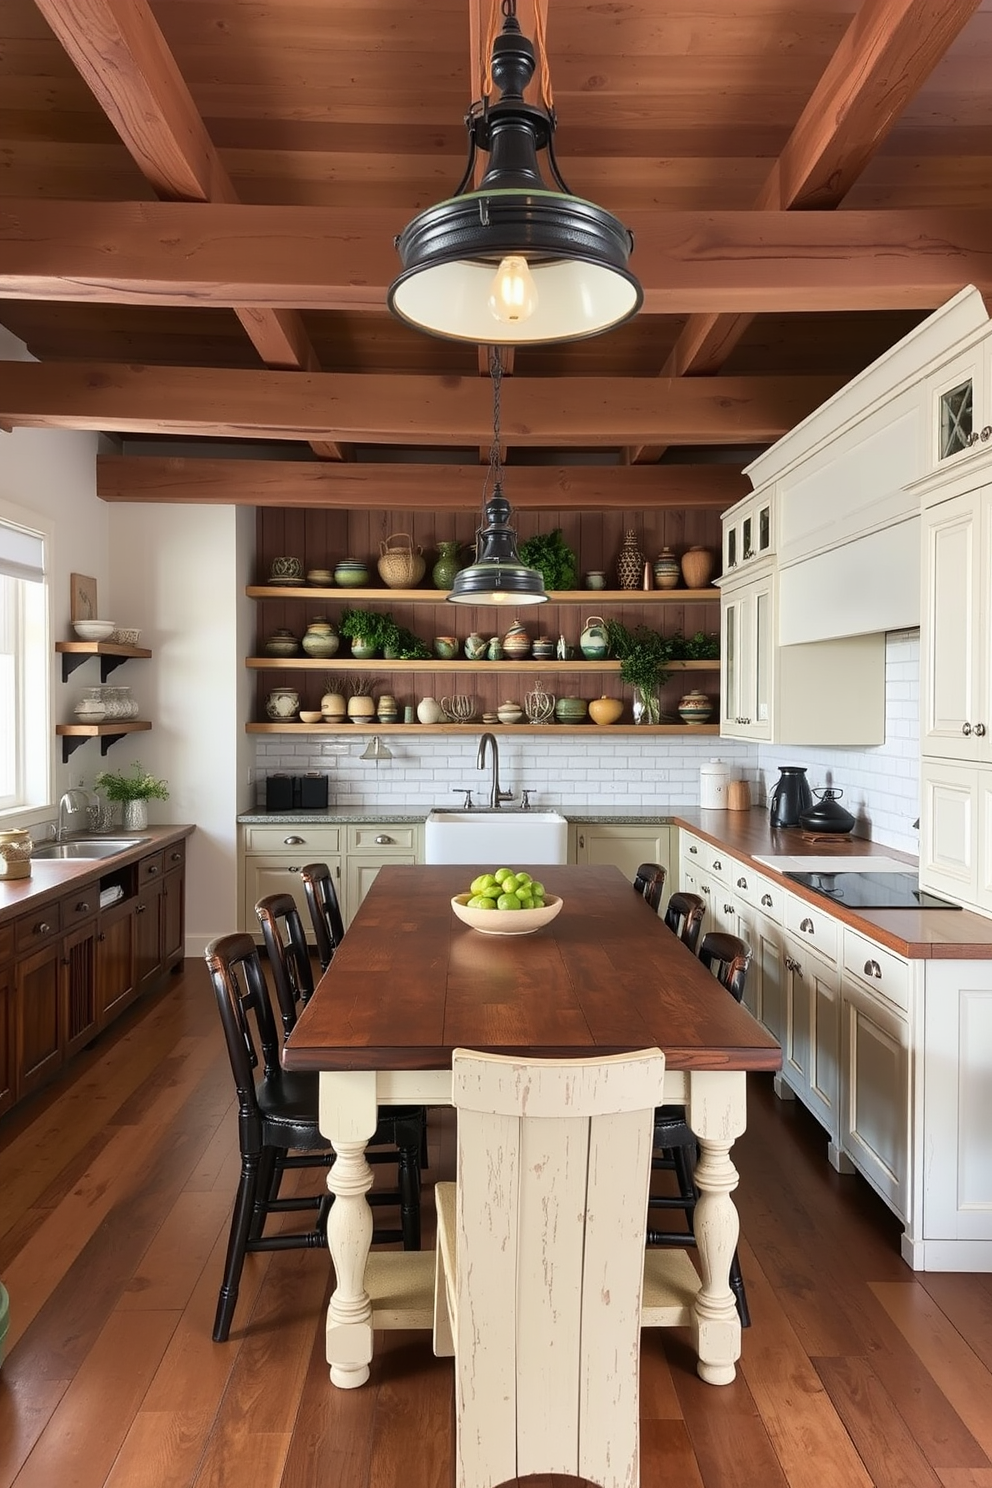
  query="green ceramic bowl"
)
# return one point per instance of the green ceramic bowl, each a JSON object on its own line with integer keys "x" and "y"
{"x": 571, "y": 710}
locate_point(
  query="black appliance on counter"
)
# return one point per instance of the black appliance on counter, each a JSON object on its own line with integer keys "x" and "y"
{"x": 296, "y": 792}
{"x": 872, "y": 890}
{"x": 790, "y": 796}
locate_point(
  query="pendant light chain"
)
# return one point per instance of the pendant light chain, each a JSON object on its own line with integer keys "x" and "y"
{"x": 495, "y": 464}
{"x": 508, "y": 8}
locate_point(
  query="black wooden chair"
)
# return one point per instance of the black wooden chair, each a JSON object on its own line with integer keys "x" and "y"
{"x": 325, "y": 911}
{"x": 649, "y": 881}
{"x": 278, "y": 1125}
{"x": 684, "y": 917}
{"x": 675, "y": 1148}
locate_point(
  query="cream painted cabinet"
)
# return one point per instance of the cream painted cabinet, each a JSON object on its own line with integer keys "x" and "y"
{"x": 624, "y": 845}
{"x": 748, "y": 532}
{"x": 746, "y": 647}
{"x": 271, "y": 860}
{"x": 369, "y": 847}
{"x": 760, "y": 907}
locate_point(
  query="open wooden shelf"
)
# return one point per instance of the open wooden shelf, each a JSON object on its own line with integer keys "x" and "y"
{"x": 527, "y": 668}
{"x": 439, "y": 596}
{"x": 111, "y": 655}
{"x": 74, "y": 734}
{"x": 689, "y": 730}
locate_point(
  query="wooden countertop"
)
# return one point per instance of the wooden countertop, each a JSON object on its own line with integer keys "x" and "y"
{"x": 918, "y": 934}
{"x": 50, "y": 879}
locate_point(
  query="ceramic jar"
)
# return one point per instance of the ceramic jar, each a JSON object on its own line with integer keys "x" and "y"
{"x": 91, "y": 708}
{"x": 494, "y": 651}
{"x": 695, "y": 707}
{"x": 429, "y": 710}
{"x": 475, "y": 646}
{"x": 282, "y": 704}
{"x": 447, "y": 565}
{"x": 446, "y": 647}
{"x": 543, "y": 648}
{"x": 630, "y": 562}
{"x": 667, "y": 573}
{"x": 361, "y": 708}
{"x": 333, "y": 707}
{"x": 510, "y": 712}
{"x": 594, "y": 643}
{"x": 595, "y": 579}
{"x": 321, "y": 638}
{"x": 286, "y": 571}
{"x": 15, "y": 853}
{"x": 605, "y": 710}
{"x": 697, "y": 567}
{"x": 135, "y": 816}
{"x": 387, "y": 710}
{"x": 281, "y": 643}
{"x": 516, "y": 642}
{"x": 571, "y": 710}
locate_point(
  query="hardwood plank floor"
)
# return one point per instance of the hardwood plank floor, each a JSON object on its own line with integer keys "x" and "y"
{"x": 115, "y": 1193}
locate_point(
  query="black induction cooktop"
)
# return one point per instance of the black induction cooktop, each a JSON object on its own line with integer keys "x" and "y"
{"x": 872, "y": 890}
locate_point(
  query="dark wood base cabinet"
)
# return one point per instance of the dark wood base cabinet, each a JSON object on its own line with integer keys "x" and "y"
{"x": 68, "y": 970}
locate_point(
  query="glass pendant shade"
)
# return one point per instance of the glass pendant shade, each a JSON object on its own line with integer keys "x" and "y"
{"x": 576, "y": 253}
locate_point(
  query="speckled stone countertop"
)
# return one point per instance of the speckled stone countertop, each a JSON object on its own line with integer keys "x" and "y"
{"x": 357, "y": 815}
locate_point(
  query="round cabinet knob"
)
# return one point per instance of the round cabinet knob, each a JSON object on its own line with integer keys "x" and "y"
{"x": 43, "y": 929}
{"x": 382, "y": 840}
{"x": 966, "y": 729}
{"x": 979, "y": 731}
{"x": 693, "y": 849}
{"x": 294, "y": 841}
{"x": 152, "y": 869}
{"x": 83, "y": 906}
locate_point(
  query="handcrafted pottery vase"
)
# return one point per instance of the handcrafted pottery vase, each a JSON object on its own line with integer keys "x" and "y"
{"x": 361, "y": 709}
{"x": 91, "y": 707}
{"x": 333, "y": 707}
{"x": 321, "y": 638}
{"x": 475, "y": 646}
{"x": 281, "y": 643}
{"x": 286, "y": 571}
{"x": 446, "y": 647}
{"x": 571, "y": 710}
{"x": 510, "y": 712}
{"x": 667, "y": 573}
{"x": 429, "y": 710}
{"x": 516, "y": 642}
{"x": 399, "y": 566}
{"x": 135, "y": 816}
{"x": 630, "y": 562}
{"x": 282, "y": 703}
{"x": 594, "y": 643}
{"x": 386, "y": 709}
{"x": 362, "y": 648}
{"x": 494, "y": 651}
{"x": 447, "y": 565}
{"x": 605, "y": 710}
{"x": 697, "y": 567}
{"x": 543, "y": 648}
{"x": 695, "y": 707}
{"x": 595, "y": 579}
{"x": 352, "y": 573}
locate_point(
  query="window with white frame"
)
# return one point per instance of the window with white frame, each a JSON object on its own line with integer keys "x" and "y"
{"x": 25, "y": 753}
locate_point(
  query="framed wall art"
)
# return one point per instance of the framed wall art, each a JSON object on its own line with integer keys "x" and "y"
{"x": 82, "y": 603}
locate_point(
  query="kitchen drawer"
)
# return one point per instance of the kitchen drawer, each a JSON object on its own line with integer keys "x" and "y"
{"x": 174, "y": 856}
{"x": 691, "y": 850}
{"x": 151, "y": 868}
{"x": 818, "y": 930}
{"x": 383, "y": 838}
{"x": 34, "y": 930}
{"x": 759, "y": 892}
{"x": 80, "y": 905}
{"x": 317, "y": 840}
{"x": 717, "y": 863}
{"x": 878, "y": 969}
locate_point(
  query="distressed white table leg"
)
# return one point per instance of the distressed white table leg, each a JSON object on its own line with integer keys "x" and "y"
{"x": 717, "y": 1115}
{"x": 348, "y": 1118}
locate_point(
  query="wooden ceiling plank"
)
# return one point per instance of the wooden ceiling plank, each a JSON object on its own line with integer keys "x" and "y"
{"x": 886, "y": 54}
{"x": 122, "y": 56}
{"x": 314, "y": 258}
{"x": 294, "y": 483}
{"x": 574, "y": 412}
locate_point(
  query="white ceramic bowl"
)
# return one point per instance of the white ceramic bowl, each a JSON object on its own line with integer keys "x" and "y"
{"x": 310, "y": 715}
{"x": 94, "y": 630}
{"x": 506, "y": 921}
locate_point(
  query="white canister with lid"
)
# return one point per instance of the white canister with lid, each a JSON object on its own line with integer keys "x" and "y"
{"x": 714, "y": 777}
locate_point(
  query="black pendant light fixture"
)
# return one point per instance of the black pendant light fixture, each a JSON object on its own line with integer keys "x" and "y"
{"x": 514, "y": 262}
{"x": 497, "y": 576}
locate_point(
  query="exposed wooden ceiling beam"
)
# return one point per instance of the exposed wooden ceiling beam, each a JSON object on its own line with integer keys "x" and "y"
{"x": 179, "y": 253}
{"x": 125, "y": 61}
{"x": 572, "y": 412}
{"x": 295, "y": 483}
{"x": 887, "y": 52}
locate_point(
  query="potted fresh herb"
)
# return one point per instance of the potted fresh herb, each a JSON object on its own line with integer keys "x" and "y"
{"x": 644, "y": 656}
{"x": 372, "y": 631}
{"x": 134, "y": 791}
{"x": 549, "y": 552}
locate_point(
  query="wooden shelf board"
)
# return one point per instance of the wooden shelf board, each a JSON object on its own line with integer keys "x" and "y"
{"x": 433, "y": 664}
{"x": 109, "y": 726}
{"x": 439, "y": 596}
{"x": 693, "y": 730}
{"x": 102, "y": 648}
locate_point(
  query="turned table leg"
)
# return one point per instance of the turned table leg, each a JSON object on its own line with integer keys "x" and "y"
{"x": 348, "y": 1118}
{"x": 717, "y": 1115}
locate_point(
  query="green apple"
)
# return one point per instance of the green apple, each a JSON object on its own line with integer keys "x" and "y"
{"x": 507, "y": 901}
{"x": 481, "y": 901}
{"x": 537, "y": 889}
{"x": 502, "y": 873}
{"x": 482, "y": 883}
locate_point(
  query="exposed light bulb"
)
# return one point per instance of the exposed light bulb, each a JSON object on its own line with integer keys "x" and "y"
{"x": 514, "y": 293}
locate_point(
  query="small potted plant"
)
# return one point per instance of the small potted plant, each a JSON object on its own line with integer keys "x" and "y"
{"x": 644, "y": 656}
{"x": 134, "y": 791}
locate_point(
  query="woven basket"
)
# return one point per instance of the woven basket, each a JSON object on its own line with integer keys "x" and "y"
{"x": 400, "y": 567}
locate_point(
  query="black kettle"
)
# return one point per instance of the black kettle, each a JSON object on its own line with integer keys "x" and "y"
{"x": 826, "y": 815}
{"x": 790, "y": 797}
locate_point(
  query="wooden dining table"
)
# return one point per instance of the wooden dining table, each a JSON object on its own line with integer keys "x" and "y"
{"x": 410, "y": 983}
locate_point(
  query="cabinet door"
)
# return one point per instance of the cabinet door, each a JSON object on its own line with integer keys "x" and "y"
{"x": 955, "y": 1149}
{"x": 875, "y": 1099}
{"x": 39, "y": 1044}
{"x": 173, "y": 917}
{"x": 954, "y": 697}
{"x": 148, "y": 935}
{"x": 115, "y": 959}
{"x": 748, "y": 654}
{"x": 764, "y": 990}
{"x": 950, "y": 829}
{"x": 79, "y": 991}
{"x": 281, "y": 875}
{"x": 8, "y": 1087}
{"x": 823, "y": 985}
{"x": 360, "y": 875}
{"x": 613, "y": 844}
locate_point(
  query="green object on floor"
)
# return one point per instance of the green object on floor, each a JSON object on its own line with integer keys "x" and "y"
{"x": 4, "y": 1318}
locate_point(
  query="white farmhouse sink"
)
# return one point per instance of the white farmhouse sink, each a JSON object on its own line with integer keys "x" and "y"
{"x": 512, "y": 839}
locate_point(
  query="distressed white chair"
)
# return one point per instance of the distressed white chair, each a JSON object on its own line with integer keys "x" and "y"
{"x": 540, "y": 1257}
